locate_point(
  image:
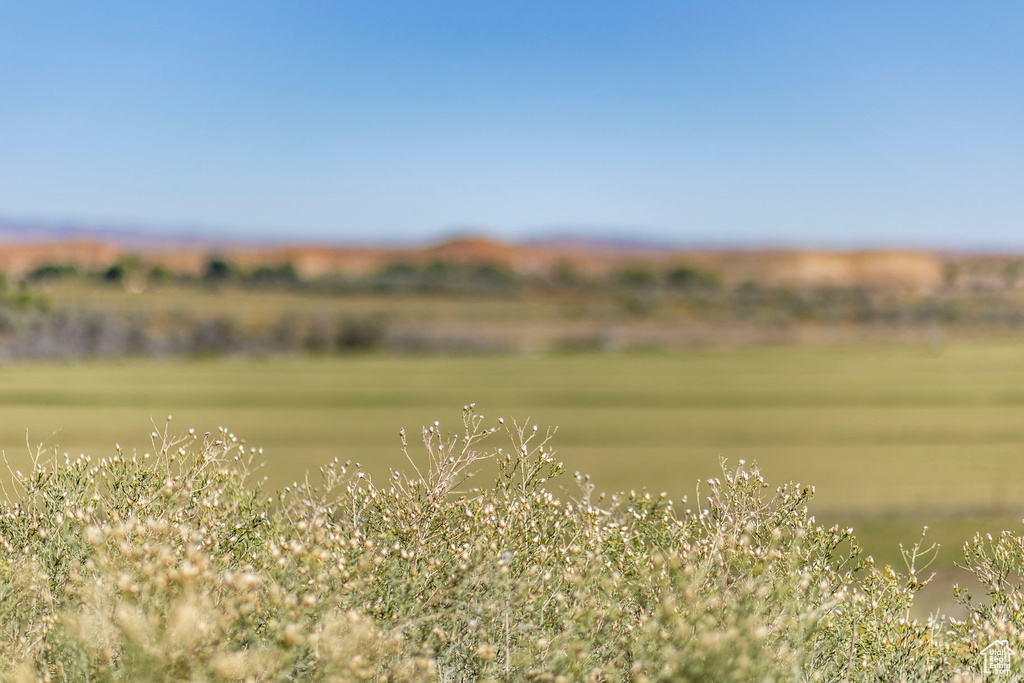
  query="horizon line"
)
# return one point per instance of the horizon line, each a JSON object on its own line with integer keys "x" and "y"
{"x": 120, "y": 233}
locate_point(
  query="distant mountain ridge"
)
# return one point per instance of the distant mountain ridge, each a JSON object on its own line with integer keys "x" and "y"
{"x": 26, "y": 231}
{"x": 624, "y": 240}
{"x": 33, "y": 232}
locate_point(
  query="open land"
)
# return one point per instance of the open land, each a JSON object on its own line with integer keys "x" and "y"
{"x": 893, "y": 437}
{"x": 889, "y": 380}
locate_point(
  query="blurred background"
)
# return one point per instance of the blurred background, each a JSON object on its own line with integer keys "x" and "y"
{"x": 683, "y": 233}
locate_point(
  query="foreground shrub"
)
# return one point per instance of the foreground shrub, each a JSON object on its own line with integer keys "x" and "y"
{"x": 174, "y": 565}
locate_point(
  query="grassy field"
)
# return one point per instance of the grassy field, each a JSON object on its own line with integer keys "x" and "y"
{"x": 892, "y": 436}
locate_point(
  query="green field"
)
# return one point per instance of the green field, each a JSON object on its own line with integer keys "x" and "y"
{"x": 891, "y": 436}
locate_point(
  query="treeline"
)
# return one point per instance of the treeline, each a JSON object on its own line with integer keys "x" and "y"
{"x": 989, "y": 276}
{"x": 131, "y": 272}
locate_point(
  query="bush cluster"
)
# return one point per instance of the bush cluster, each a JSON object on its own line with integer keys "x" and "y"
{"x": 686, "y": 297}
{"x": 83, "y": 333}
{"x": 175, "y": 565}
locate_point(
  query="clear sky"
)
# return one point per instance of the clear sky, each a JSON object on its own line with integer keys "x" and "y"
{"x": 814, "y": 123}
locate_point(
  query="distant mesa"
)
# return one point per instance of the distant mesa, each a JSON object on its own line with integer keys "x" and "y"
{"x": 803, "y": 269}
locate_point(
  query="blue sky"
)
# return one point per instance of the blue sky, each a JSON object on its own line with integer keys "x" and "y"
{"x": 804, "y": 123}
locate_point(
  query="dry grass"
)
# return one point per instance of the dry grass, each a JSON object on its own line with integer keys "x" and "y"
{"x": 174, "y": 565}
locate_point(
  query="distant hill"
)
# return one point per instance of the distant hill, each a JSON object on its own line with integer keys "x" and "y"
{"x": 25, "y": 246}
